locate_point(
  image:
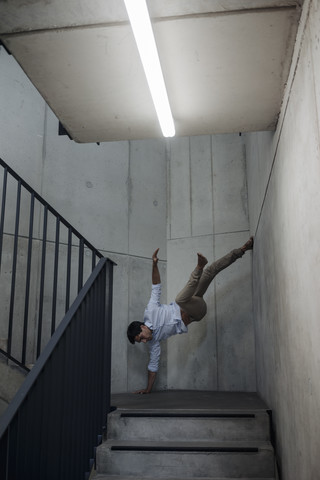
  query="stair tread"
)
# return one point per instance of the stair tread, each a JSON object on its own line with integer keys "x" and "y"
{"x": 196, "y": 411}
{"x": 186, "y": 459}
{"x": 101, "y": 476}
{"x": 190, "y": 399}
{"x": 147, "y": 443}
{"x": 213, "y": 425}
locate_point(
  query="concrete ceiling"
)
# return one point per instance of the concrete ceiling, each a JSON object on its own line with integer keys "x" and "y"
{"x": 225, "y": 63}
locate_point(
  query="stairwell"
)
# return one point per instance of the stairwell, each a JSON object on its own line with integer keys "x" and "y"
{"x": 179, "y": 435}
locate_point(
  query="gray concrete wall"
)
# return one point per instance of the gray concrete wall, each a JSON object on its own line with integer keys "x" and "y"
{"x": 113, "y": 194}
{"x": 207, "y": 212}
{"x": 284, "y": 199}
{"x": 128, "y": 198}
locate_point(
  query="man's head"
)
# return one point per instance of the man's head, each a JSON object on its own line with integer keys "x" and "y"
{"x": 139, "y": 332}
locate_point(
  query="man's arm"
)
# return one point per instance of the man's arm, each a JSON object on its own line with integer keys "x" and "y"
{"x": 153, "y": 366}
{"x": 155, "y": 271}
{"x": 151, "y": 379}
{"x": 155, "y": 281}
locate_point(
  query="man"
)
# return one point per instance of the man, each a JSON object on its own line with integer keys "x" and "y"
{"x": 163, "y": 321}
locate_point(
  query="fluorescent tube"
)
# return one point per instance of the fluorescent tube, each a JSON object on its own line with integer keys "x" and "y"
{"x": 142, "y": 30}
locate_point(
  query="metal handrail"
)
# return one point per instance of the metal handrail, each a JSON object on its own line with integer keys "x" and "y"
{"x": 19, "y": 347}
{"x": 50, "y": 428}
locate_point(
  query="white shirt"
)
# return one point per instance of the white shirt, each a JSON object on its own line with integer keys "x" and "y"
{"x": 164, "y": 321}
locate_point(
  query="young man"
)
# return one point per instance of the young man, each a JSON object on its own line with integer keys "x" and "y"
{"x": 163, "y": 321}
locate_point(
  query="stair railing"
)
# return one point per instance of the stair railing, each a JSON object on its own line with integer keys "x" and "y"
{"x": 51, "y": 426}
{"x": 43, "y": 263}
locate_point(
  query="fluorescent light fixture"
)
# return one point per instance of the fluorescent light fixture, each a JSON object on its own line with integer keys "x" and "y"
{"x": 142, "y": 30}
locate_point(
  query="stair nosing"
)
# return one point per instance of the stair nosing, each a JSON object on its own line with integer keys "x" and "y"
{"x": 223, "y": 444}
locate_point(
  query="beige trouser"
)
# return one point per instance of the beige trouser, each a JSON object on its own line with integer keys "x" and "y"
{"x": 190, "y": 298}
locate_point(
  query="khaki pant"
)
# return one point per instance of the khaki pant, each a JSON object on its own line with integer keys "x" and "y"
{"x": 190, "y": 298}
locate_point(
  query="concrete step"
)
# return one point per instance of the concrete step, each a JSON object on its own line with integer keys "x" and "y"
{"x": 213, "y": 425}
{"x": 186, "y": 459}
{"x": 99, "y": 476}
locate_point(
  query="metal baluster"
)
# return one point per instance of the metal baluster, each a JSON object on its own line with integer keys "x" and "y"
{"x": 42, "y": 277}
{"x": 100, "y": 297}
{"x": 80, "y": 264}
{"x": 108, "y": 336}
{"x": 3, "y": 207}
{"x": 68, "y": 269}
{"x": 93, "y": 260}
{"x": 14, "y": 268}
{"x": 27, "y": 295}
{"x": 55, "y": 277}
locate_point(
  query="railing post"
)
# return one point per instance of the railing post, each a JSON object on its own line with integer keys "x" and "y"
{"x": 42, "y": 277}
{"x": 93, "y": 260}
{"x": 80, "y": 264}
{"x": 108, "y": 335}
{"x": 27, "y": 294}
{"x": 68, "y": 279}
{"x": 3, "y": 208}
{"x": 14, "y": 268}
{"x": 55, "y": 276}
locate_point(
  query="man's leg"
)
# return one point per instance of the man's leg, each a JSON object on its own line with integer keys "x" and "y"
{"x": 195, "y": 307}
{"x": 210, "y": 272}
{"x": 190, "y": 298}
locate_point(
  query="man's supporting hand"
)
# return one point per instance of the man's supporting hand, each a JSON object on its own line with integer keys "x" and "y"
{"x": 151, "y": 379}
{"x": 143, "y": 391}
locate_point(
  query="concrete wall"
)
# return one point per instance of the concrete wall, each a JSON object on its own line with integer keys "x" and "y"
{"x": 128, "y": 198}
{"x": 113, "y": 194}
{"x": 284, "y": 199}
{"x": 207, "y": 212}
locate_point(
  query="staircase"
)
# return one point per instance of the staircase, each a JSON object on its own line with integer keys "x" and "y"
{"x": 209, "y": 440}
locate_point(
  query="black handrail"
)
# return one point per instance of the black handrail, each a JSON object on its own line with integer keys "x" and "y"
{"x": 50, "y": 428}
{"x": 24, "y": 343}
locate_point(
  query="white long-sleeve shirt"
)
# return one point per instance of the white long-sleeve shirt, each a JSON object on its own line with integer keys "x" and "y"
{"x": 164, "y": 321}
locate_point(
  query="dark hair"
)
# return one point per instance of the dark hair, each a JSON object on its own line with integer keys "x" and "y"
{"x": 133, "y": 330}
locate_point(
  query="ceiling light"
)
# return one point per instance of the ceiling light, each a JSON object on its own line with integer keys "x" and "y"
{"x": 142, "y": 30}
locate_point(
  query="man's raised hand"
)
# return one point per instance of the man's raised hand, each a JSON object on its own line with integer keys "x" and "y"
{"x": 154, "y": 256}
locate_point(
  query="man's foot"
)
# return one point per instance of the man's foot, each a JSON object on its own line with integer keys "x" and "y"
{"x": 202, "y": 261}
{"x": 248, "y": 245}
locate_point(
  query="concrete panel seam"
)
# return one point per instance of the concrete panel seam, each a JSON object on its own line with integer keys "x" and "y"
{"x": 168, "y": 199}
{"x": 213, "y": 256}
{"x": 44, "y": 144}
{"x": 190, "y": 189}
{"x": 129, "y": 193}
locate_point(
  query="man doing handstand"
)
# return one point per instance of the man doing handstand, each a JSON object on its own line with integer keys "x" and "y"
{"x": 162, "y": 321}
